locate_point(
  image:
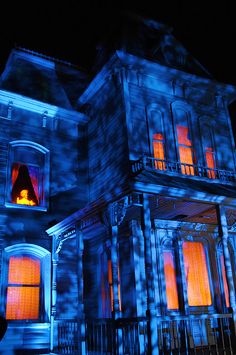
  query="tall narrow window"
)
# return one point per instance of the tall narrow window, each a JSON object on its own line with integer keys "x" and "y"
{"x": 110, "y": 280}
{"x": 158, "y": 151}
{"x": 196, "y": 273}
{"x": 170, "y": 281}
{"x": 210, "y": 161}
{"x": 23, "y": 290}
{"x": 225, "y": 284}
{"x": 185, "y": 150}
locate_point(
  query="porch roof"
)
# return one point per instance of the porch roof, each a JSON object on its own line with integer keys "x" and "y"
{"x": 185, "y": 186}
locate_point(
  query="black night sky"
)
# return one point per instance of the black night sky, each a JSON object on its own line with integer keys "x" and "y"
{"x": 69, "y": 30}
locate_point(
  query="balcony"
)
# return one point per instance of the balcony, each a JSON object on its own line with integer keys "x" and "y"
{"x": 166, "y": 166}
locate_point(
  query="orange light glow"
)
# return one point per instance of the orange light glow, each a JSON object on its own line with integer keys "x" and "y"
{"x": 22, "y": 303}
{"x": 158, "y": 151}
{"x": 170, "y": 280}
{"x": 185, "y": 150}
{"x": 210, "y": 163}
{"x": 196, "y": 273}
{"x": 226, "y": 289}
{"x": 23, "y": 288}
{"x": 23, "y": 198}
{"x": 110, "y": 281}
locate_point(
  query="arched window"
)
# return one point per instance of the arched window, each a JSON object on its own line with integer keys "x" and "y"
{"x": 184, "y": 142}
{"x": 196, "y": 273}
{"x": 208, "y": 147}
{"x": 157, "y": 136}
{"x": 27, "y": 270}
{"x": 28, "y": 175}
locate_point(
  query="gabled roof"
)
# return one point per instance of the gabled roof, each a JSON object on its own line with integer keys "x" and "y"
{"x": 43, "y": 78}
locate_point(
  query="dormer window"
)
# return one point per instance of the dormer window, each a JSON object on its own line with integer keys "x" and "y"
{"x": 28, "y": 176}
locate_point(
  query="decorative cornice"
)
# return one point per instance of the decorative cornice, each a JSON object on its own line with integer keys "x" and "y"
{"x": 32, "y": 105}
{"x": 62, "y": 238}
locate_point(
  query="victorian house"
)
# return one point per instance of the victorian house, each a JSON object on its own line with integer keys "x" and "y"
{"x": 118, "y": 201}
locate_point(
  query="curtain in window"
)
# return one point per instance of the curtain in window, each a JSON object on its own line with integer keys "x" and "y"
{"x": 226, "y": 289}
{"x": 25, "y": 177}
{"x": 23, "y": 289}
{"x": 196, "y": 273}
{"x": 170, "y": 281}
{"x": 185, "y": 150}
{"x": 158, "y": 151}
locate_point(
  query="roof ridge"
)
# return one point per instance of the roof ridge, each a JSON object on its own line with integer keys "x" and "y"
{"x": 44, "y": 56}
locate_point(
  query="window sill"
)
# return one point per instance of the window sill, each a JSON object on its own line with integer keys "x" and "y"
{"x": 25, "y": 207}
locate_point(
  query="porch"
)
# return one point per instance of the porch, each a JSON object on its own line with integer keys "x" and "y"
{"x": 202, "y": 334}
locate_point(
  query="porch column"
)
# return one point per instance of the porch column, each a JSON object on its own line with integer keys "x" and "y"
{"x": 53, "y": 290}
{"x": 183, "y": 286}
{"x": 139, "y": 266}
{"x": 81, "y": 317}
{"x": 223, "y": 231}
{"x": 151, "y": 309}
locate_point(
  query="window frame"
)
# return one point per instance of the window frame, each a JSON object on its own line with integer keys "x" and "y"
{"x": 44, "y": 174}
{"x": 34, "y": 251}
{"x": 206, "y": 308}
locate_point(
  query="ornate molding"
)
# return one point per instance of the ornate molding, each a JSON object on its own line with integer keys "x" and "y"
{"x": 115, "y": 212}
{"x": 62, "y": 238}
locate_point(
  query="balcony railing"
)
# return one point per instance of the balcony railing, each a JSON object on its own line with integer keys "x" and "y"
{"x": 203, "y": 334}
{"x": 182, "y": 168}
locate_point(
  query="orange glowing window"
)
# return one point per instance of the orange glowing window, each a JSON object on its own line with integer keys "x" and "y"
{"x": 110, "y": 281}
{"x": 210, "y": 161}
{"x": 185, "y": 150}
{"x": 226, "y": 289}
{"x": 158, "y": 151}
{"x": 23, "y": 289}
{"x": 170, "y": 280}
{"x": 196, "y": 273}
{"x": 25, "y": 186}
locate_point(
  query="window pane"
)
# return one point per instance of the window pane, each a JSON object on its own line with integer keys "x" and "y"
{"x": 22, "y": 303}
{"x": 185, "y": 150}
{"x": 24, "y": 270}
{"x": 196, "y": 273}
{"x": 210, "y": 160}
{"x": 23, "y": 288}
{"x": 170, "y": 280}
{"x": 158, "y": 151}
{"x": 226, "y": 289}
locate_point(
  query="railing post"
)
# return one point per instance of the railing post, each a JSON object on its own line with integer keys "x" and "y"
{"x": 151, "y": 309}
{"x": 223, "y": 231}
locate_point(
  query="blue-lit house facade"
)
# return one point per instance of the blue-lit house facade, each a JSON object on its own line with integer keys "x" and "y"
{"x": 118, "y": 202}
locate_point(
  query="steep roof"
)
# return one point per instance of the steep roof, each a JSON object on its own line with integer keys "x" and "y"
{"x": 43, "y": 78}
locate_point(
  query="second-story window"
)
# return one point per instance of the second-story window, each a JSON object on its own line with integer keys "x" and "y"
{"x": 208, "y": 150}
{"x": 158, "y": 151}
{"x": 28, "y": 175}
{"x": 185, "y": 150}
